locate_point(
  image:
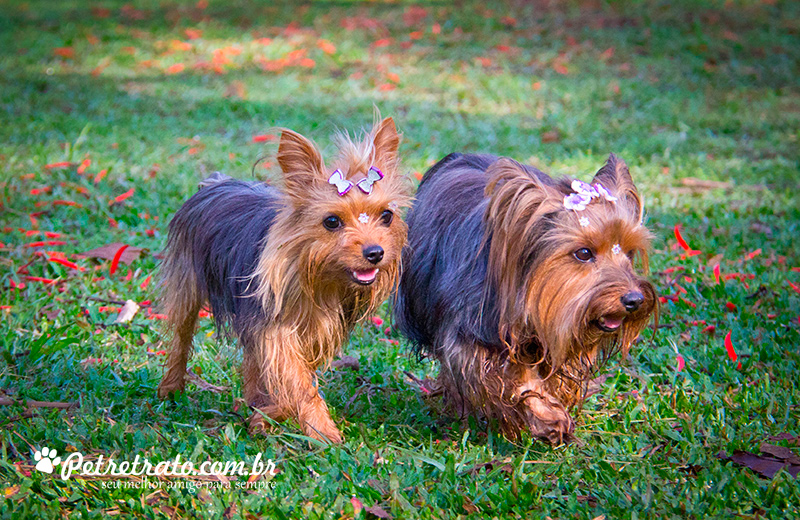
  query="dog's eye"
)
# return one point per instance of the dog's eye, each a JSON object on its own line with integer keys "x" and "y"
{"x": 386, "y": 217}
{"x": 584, "y": 254}
{"x": 332, "y": 223}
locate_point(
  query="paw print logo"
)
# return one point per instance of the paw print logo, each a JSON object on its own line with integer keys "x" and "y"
{"x": 46, "y": 460}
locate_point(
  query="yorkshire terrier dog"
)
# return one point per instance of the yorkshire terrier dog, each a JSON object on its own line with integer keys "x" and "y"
{"x": 519, "y": 284}
{"x": 290, "y": 271}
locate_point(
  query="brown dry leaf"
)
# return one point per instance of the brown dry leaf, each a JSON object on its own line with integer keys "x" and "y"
{"x": 108, "y": 251}
{"x": 205, "y": 385}
{"x": 780, "y": 452}
{"x": 490, "y": 466}
{"x": 204, "y": 496}
{"x": 791, "y": 439}
{"x": 767, "y": 467}
{"x": 127, "y": 312}
{"x": 236, "y": 89}
{"x": 469, "y": 507}
{"x": 347, "y": 362}
{"x": 702, "y": 184}
{"x": 378, "y": 511}
{"x": 551, "y": 136}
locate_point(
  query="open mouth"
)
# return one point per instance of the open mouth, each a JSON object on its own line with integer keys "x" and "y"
{"x": 365, "y": 277}
{"x": 609, "y": 323}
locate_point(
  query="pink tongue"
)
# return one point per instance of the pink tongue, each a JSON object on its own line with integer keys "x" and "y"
{"x": 612, "y": 323}
{"x": 366, "y": 276}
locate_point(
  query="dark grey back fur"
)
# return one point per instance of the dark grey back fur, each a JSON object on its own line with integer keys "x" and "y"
{"x": 444, "y": 291}
{"x": 219, "y": 234}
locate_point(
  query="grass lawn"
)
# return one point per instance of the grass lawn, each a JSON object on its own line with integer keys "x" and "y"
{"x": 110, "y": 114}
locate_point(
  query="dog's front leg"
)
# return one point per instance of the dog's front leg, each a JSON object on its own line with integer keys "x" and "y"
{"x": 546, "y": 416}
{"x": 280, "y": 383}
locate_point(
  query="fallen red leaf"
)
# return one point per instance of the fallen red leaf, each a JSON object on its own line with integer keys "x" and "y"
{"x": 64, "y": 52}
{"x": 731, "y": 351}
{"x": 730, "y": 306}
{"x": 680, "y": 239}
{"x": 46, "y": 281}
{"x": 102, "y": 173}
{"x": 109, "y": 251}
{"x": 115, "y": 260}
{"x": 753, "y": 254}
{"x": 794, "y": 286}
{"x": 120, "y": 198}
{"x": 176, "y": 68}
{"x": 377, "y": 321}
{"x": 262, "y": 138}
{"x": 145, "y": 283}
{"x": 42, "y": 243}
{"x": 63, "y": 164}
{"x": 66, "y": 263}
{"x": 716, "y": 273}
{"x": 85, "y": 164}
{"x": 326, "y": 46}
{"x": 681, "y": 362}
{"x": 67, "y": 203}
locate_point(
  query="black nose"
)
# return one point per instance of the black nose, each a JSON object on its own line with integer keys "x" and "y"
{"x": 632, "y": 301}
{"x": 373, "y": 253}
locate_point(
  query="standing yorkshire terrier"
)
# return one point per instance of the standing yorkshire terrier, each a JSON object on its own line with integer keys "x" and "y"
{"x": 291, "y": 271}
{"x": 516, "y": 282}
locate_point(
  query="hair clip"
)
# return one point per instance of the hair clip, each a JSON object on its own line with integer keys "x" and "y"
{"x": 584, "y": 193}
{"x": 373, "y": 176}
{"x": 342, "y": 185}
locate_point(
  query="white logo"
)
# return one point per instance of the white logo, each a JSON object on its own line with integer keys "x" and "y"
{"x": 46, "y": 460}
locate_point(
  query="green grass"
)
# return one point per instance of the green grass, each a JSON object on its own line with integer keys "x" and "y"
{"x": 704, "y": 90}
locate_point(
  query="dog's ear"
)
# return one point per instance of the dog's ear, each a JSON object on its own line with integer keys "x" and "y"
{"x": 615, "y": 176}
{"x": 385, "y": 142}
{"x": 300, "y": 162}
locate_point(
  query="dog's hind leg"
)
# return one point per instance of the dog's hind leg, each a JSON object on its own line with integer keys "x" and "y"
{"x": 182, "y": 304}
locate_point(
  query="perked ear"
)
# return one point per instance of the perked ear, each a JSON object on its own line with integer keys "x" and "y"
{"x": 615, "y": 176}
{"x": 385, "y": 142}
{"x": 300, "y": 162}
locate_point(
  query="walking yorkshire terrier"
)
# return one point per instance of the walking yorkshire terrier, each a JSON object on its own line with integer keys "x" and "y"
{"x": 519, "y": 284}
{"x": 289, "y": 271}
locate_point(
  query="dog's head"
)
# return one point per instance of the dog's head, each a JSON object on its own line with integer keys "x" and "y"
{"x": 564, "y": 256}
{"x": 341, "y": 230}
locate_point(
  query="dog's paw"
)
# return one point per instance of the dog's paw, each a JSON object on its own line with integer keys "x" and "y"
{"x": 548, "y": 419}
{"x": 170, "y": 386}
{"x": 326, "y": 432}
